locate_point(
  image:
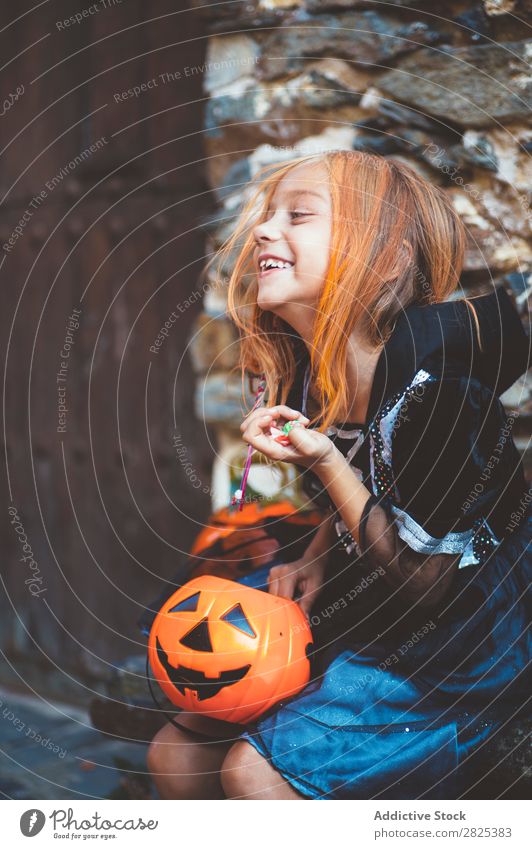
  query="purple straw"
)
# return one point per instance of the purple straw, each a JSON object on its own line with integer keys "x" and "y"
{"x": 239, "y": 494}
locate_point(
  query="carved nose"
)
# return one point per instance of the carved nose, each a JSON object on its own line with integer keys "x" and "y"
{"x": 198, "y": 638}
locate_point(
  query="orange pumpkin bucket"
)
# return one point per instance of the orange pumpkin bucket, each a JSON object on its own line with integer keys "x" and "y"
{"x": 228, "y": 651}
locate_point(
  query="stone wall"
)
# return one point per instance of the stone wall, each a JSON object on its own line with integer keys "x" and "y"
{"x": 444, "y": 86}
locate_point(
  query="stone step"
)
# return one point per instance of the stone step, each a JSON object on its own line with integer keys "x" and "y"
{"x": 52, "y": 751}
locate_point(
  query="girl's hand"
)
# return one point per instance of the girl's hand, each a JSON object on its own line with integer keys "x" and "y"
{"x": 307, "y": 447}
{"x": 300, "y": 577}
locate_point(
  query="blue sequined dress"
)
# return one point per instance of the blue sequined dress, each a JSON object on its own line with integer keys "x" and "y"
{"x": 409, "y": 684}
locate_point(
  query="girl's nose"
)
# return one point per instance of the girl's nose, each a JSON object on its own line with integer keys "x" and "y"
{"x": 267, "y": 231}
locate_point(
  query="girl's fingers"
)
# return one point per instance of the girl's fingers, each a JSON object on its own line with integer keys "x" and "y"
{"x": 287, "y": 586}
{"x": 272, "y": 582}
{"x": 260, "y": 428}
{"x": 272, "y": 585}
{"x": 287, "y": 412}
{"x": 276, "y": 412}
{"x": 256, "y": 437}
{"x": 311, "y": 591}
{"x": 306, "y": 601}
{"x": 283, "y": 586}
{"x": 258, "y": 434}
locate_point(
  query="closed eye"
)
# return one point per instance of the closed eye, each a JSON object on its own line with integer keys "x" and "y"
{"x": 294, "y": 213}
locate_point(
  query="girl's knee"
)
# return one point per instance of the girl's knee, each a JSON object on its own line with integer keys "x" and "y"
{"x": 185, "y": 769}
{"x": 239, "y": 767}
{"x": 246, "y": 774}
{"x": 163, "y": 751}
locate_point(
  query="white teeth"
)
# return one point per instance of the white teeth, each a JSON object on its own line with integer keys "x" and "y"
{"x": 273, "y": 263}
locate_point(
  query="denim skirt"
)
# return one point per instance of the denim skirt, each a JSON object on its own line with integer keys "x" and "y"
{"x": 402, "y": 715}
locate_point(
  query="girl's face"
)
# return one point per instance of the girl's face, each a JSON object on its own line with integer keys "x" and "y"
{"x": 293, "y": 245}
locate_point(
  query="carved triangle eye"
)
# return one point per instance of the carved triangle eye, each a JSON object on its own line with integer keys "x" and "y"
{"x": 188, "y": 604}
{"x": 198, "y": 638}
{"x": 237, "y": 618}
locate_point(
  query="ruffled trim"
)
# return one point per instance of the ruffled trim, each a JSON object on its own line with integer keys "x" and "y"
{"x": 455, "y": 542}
{"x": 419, "y": 540}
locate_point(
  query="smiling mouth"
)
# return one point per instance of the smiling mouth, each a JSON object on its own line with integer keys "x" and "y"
{"x": 267, "y": 266}
{"x": 265, "y": 272}
{"x": 205, "y": 688}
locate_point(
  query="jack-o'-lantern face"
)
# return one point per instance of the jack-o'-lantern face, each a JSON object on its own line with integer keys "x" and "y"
{"x": 228, "y": 651}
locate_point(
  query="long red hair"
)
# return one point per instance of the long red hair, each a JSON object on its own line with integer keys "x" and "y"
{"x": 396, "y": 240}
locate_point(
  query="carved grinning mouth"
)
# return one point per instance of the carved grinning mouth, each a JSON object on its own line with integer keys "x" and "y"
{"x": 191, "y": 679}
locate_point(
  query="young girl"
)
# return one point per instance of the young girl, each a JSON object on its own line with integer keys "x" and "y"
{"x": 415, "y": 582}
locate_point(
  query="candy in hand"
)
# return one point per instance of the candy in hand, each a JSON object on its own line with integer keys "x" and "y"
{"x": 280, "y": 435}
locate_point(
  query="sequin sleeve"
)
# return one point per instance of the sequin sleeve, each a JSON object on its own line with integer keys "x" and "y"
{"x": 417, "y": 578}
{"x": 454, "y": 462}
{"x": 452, "y": 473}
